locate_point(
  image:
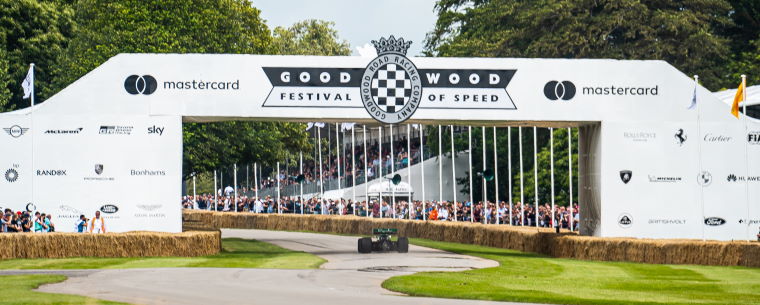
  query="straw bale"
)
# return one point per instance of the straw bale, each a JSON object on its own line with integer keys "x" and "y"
{"x": 131, "y": 244}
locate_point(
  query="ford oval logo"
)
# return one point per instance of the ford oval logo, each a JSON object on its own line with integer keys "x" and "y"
{"x": 109, "y": 209}
{"x": 714, "y": 221}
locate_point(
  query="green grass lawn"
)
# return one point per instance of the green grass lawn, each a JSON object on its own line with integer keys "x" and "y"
{"x": 17, "y": 289}
{"x": 525, "y": 277}
{"x": 236, "y": 253}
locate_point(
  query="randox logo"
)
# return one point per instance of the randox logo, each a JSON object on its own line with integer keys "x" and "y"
{"x": 680, "y": 137}
{"x": 626, "y": 175}
{"x": 135, "y": 84}
{"x": 51, "y": 172}
{"x": 15, "y": 131}
{"x": 625, "y": 220}
{"x": 109, "y": 209}
{"x": 714, "y": 221}
{"x": 555, "y": 90}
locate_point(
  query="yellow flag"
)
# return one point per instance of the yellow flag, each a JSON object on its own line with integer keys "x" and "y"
{"x": 738, "y": 98}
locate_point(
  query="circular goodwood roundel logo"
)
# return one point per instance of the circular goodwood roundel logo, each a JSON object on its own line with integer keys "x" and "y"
{"x": 135, "y": 84}
{"x": 11, "y": 175}
{"x": 391, "y": 87}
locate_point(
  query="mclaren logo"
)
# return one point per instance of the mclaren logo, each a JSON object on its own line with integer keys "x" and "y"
{"x": 135, "y": 84}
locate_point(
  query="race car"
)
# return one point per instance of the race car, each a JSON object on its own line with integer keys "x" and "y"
{"x": 382, "y": 242}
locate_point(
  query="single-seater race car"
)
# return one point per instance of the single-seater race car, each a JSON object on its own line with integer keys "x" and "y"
{"x": 382, "y": 241}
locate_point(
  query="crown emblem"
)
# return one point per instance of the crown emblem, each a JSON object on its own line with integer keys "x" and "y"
{"x": 391, "y": 45}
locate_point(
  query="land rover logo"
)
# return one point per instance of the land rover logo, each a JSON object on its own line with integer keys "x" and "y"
{"x": 626, "y": 176}
{"x": 109, "y": 209}
{"x": 625, "y": 221}
{"x": 714, "y": 221}
{"x": 391, "y": 87}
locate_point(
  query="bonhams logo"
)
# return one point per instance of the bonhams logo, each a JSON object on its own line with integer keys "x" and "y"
{"x": 135, "y": 84}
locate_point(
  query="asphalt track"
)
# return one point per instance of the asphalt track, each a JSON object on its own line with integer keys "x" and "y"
{"x": 347, "y": 278}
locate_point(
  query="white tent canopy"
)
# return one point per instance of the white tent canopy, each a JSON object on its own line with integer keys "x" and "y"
{"x": 386, "y": 188}
{"x": 753, "y": 95}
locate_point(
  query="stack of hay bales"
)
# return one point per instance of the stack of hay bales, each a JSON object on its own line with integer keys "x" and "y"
{"x": 527, "y": 239}
{"x": 132, "y": 244}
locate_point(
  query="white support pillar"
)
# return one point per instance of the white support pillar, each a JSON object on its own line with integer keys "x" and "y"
{"x": 522, "y": 188}
{"x": 409, "y": 166}
{"x": 216, "y": 196}
{"x": 380, "y": 168}
{"x": 551, "y": 169}
{"x": 469, "y": 143}
{"x": 509, "y": 171}
{"x": 570, "y": 172}
{"x": 366, "y": 180}
{"x": 440, "y": 166}
{"x": 485, "y": 182}
{"x": 277, "y": 177}
{"x": 393, "y": 172}
{"x": 234, "y": 185}
{"x": 535, "y": 173}
{"x": 453, "y": 173}
{"x": 255, "y": 180}
{"x": 353, "y": 169}
{"x": 321, "y": 179}
{"x": 422, "y": 171}
{"x": 337, "y": 154}
{"x": 300, "y": 184}
{"x": 496, "y": 176}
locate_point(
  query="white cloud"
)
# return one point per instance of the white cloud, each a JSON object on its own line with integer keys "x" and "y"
{"x": 367, "y": 50}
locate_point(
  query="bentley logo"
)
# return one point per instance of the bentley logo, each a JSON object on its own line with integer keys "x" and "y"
{"x": 98, "y": 169}
{"x": 391, "y": 88}
{"x": 626, "y": 176}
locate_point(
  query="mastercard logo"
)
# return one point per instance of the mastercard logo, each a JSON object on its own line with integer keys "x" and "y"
{"x": 135, "y": 84}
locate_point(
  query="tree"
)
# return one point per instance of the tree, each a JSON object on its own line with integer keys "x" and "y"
{"x": 31, "y": 31}
{"x": 310, "y": 37}
{"x": 687, "y": 34}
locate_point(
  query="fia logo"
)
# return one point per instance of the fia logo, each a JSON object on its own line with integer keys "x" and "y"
{"x": 680, "y": 137}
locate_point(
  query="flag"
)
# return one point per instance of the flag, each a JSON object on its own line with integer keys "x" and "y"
{"x": 28, "y": 83}
{"x": 737, "y": 98}
{"x": 309, "y": 125}
{"x": 693, "y": 99}
{"x": 346, "y": 126}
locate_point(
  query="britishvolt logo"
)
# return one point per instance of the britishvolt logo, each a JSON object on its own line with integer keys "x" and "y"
{"x": 390, "y": 87}
{"x": 135, "y": 84}
{"x": 15, "y": 131}
{"x": 555, "y": 90}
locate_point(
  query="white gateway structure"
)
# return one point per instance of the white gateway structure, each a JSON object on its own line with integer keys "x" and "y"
{"x": 649, "y": 166}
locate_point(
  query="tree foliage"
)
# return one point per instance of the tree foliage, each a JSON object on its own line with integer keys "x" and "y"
{"x": 310, "y": 37}
{"x": 686, "y": 33}
{"x": 31, "y": 31}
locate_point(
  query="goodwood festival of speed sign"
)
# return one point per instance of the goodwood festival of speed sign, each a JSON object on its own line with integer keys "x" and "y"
{"x": 390, "y": 87}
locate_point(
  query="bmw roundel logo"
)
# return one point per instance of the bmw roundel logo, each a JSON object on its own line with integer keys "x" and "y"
{"x": 135, "y": 84}
{"x": 555, "y": 90}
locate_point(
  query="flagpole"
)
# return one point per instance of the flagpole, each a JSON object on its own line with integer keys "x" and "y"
{"x": 746, "y": 151}
{"x": 321, "y": 180}
{"x": 453, "y": 173}
{"x": 496, "y": 176}
{"x": 393, "y": 171}
{"x": 31, "y": 118}
{"x": 535, "y": 172}
{"x": 509, "y": 170}
{"x": 366, "y": 178}
{"x": 409, "y": 166}
{"x": 440, "y": 166}
{"x": 570, "y": 173}
{"x": 522, "y": 190}
{"x": 353, "y": 169}
{"x": 699, "y": 153}
{"x": 485, "y": 187}
{"x": 469, "y": 143}
{"x": 422, "y": 171}
{"x": 551, "y": 168}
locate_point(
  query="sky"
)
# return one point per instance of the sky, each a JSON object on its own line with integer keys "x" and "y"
{"x": 358, "y": 21}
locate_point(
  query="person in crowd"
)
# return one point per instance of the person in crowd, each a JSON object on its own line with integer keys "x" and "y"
{"x": 98, "y": 225}
{"x": 81, "y": 224}
{"x": 49, "y": 223}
